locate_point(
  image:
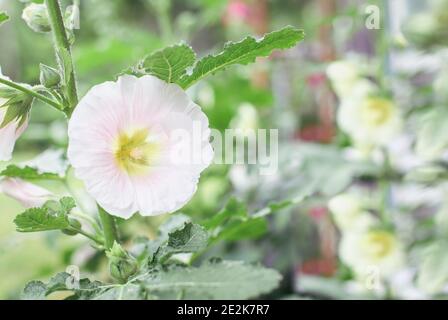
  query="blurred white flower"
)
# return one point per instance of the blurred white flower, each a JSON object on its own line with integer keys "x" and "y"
{"x": 27, "y": 194}
{"x": 348, "y": 213}
{"x": 369, "y": 120}
{"x": 343, "y": 75}
{"x": 124, "y": 142}
{"x": 372, "y": 248}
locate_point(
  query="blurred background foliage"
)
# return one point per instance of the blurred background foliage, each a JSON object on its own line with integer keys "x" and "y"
{"x": 290, "y": 91}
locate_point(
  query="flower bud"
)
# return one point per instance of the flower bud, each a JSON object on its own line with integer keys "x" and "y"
{"x": 49, "y": 77}
{"x": 36, "y": 17}
{"x": 121, "y": 264}
{"x": 14, "y": 116}
{"x": 27, "y": 194}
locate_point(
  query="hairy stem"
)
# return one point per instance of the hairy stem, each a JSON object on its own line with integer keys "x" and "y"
{"x": 88, "y": 235}
{"x": 109, "y": 228}
{"x": 63, "y": 51}
{"x": 31, "y": 93}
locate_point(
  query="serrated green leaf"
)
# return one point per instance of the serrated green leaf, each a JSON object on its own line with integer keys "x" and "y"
{"x": 34, "y": 290}
{"x": 169, "y": 64}
{"x": 39, "y": 219}
{"x": 27, "y": 173}
{"x": 219, "y": 280}
{"x": 212, "y": 280}
{"x": 3, "y": 17}
{"x": 52, "y": 215}
{"x": 243, "y": 52}
{"x": 188, "y": 239}
{"x": 82, "y": 289}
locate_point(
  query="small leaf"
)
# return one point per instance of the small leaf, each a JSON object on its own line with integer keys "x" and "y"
{"x": 34, "y": 290}
{"x": 51, "y": 216}
{"x": 243, "y": 52}
{"x": 169, "y": 64}
{"x": 190, "y": 238}
{"x": 219, "y": 280}
{"x": 27, "y": 173}
{"x": 3, "y": 17}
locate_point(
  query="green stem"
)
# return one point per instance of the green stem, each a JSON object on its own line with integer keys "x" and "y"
{"x": 63, "y": 51}
{"x": 384, "y": 185}
{"x": 109, "y": 228}
{"x": 88, "y": 235}
{"x": 31, "y": 93}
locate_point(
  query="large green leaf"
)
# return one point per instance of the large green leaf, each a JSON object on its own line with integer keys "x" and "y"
{"x": 243, "y": 52}
{"x": 52, "y": 215}
{"x": 170, "y": 63}
{"x": 212, "y": 280}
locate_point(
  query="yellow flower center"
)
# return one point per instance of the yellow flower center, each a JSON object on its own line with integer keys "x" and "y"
{"x": 379, "y": 244}
{"x": 377, "y": 111}
{"x": 134, "y": 153}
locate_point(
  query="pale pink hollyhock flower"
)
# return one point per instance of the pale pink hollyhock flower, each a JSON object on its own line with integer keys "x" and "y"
{"x": 29, "y": 195}
{"x": 121, "y": 145}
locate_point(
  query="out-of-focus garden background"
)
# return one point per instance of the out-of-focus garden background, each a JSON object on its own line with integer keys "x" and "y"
{"x": 399, "y": 182}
